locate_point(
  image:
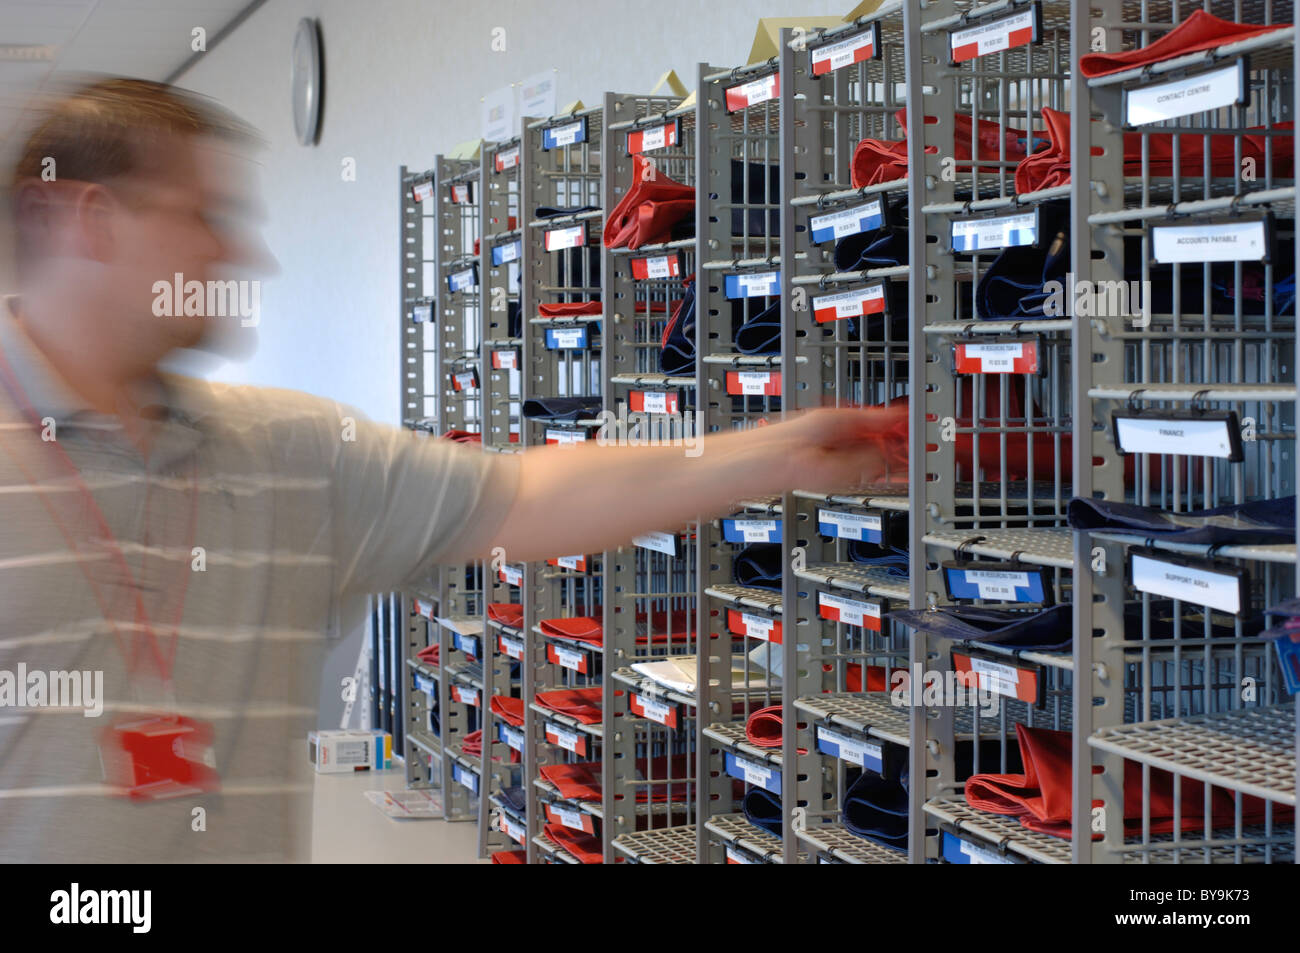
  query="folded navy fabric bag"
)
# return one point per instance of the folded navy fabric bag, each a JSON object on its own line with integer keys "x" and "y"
{"x": 758, "y": 567}
{"x": 1012, "y": 287}
{"x": 677, "y": 351}
{"x": 763, "y": 809}
{"x": 562, "y": 409}
{"x": 1264, "y": 521}
{"x": 890, "y": 559}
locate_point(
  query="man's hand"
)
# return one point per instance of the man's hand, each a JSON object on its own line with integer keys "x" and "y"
{"x": 584, "y": 498}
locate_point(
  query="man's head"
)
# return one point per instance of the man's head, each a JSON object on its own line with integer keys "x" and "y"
{"x": 121, "y": 184}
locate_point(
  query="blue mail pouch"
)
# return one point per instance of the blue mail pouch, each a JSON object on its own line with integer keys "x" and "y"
{"x": 889, "y": 558}
{"x": 1264, "y": 521}
{"x": 883, "y": 248}
{"x": 762, "y": 188}
{"x": 514, "y": 320}
{"x": 1012, "y": 287}
{"x": 515, "y": 799}
{"x": 562, "y": 409}
{"x": 763, "y": 809}
{"x": 677, "y": 358}
{"x": 761, "y": 334}
{"x": 1044, "y": 631}
{"x": 875, "y": 805}
{"x": 758, "y": 567}
{"x": 555, "y": 211}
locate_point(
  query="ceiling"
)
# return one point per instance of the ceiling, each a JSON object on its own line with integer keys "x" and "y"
{"x": 146, "y": 39}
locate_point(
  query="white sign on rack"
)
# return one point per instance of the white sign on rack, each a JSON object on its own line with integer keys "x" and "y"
{"x": 499, "y": 116}
{"x": 537, "y": 95}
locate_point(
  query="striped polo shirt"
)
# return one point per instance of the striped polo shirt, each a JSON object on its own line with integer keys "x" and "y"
{"x": 293, "y": 501}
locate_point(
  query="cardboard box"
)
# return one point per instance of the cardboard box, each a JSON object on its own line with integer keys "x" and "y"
{"x": 346, "y": 751}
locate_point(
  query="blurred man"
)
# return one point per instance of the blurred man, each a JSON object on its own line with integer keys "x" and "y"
{"x": 190, "y": 540}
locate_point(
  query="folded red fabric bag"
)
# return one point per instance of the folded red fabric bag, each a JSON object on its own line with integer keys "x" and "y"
{"x": 580, "y": 781}
{"x": 881, "y": 160}
{"x": 510, "y": 857}
{"x": 580, "y": 703}
{"x": 1200, "y": 31}
{"x": 472, "y": 744}
{"x": 583, "y": 846}
{"x": 428, "y": 655}
{"x": 507, "y": 613}
{"x": 569, "y": 309}
{"x": 1041, "y": 797}
{"x": 646, "y": 214}
{"x": 1050, "y": 167}
{"x": 510, "y": 710}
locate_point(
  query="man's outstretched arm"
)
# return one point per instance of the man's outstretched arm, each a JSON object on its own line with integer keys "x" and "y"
{"x": 583, "y": 498}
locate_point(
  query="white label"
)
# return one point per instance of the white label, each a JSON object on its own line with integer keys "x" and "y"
{"x": 512, "y": 648}
{"x": 566, "y": 135}
{"x": 849, "y": 304}
{"x": 423, "y": 190}
{"x": 654, "y": 138}
{"x": 1193, "y": 438}
{"x": 659, "y": 542}
{"x": 754, "y": 773}
{"x": 972, "y": 234}
{"x": 1228, "y": 241}
{"x": 565, "y": 436}
{"x": 841, "y": 54}
{"x": 655, "y": 401}
{"x": 997, "y": 585}
{"x": 980, "y": 855}
{"x": 568, "y": 337}
{"x": 460, "y": 194}
{"x": 462, "y": 279}
{"x": 753, "y": 382}
{"x": 851, "y": 611}
{"x": 467, "y": 695}
{"x": 567, "y": 817}
{"x": 737, "y": 857}
{"x": 850, "y": 525}
{"x": 758, "y": 91}
{"x": 512, "y": 737}
{"x": 424, "y": 608}
{"x": 570, "y": 237}
{"x": 508, "y": 159}
{"x": 568, "y": 740}
{"x": 426, "y": 685}
{"x": 514, "y": 577}
{"x": 1201, "y": 586}
{"x": 755, "y": 531}
{"x": 512, "y": 830}
{"x": 994, "y": 36}
{"x": 465, "y": 379}
{"x": 569, "y": 562}
{"x": 505, "y": 359}
{"x": 1182, "y": 97}
{"x": 509, "y": 252}
{"x": 851, "y": 750}
{"x": 760, "y": 627}
{"x": 996, "y": 677}
{"x": 466, "y": 778}
{"x": 654, "y": 710}
{"x": 751, "y": 285}
{"x": 568, "y": 658}
{"x": 995, "y": 357}
{"x": 847, "y": 222}
{"x": 657, "y": 267}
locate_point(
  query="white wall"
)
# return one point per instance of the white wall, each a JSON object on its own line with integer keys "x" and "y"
{"x": 402, "y": 82}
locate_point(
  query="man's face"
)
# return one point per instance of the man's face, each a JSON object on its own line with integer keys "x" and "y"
{"x": 190, "y": 214}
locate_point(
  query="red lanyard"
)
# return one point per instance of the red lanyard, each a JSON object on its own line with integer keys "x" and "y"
{"x": 70, "y": 514}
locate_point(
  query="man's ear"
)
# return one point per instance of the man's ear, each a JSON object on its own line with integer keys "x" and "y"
{"x": 93, "y": 211}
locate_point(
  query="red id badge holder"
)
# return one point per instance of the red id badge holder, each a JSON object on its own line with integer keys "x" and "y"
{"x": 154, "y": 758}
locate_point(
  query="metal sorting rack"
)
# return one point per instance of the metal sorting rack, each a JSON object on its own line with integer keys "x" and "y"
{"x": 1211, "y": 707}
{"x": 820, "y": 272}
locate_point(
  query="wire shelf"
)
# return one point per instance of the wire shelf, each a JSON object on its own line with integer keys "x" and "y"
{"x": 735, "y": 829}
{"x": 1251, "y": 750}
{"x": 838, "y": 842}
{"x": 667, "y": 845}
